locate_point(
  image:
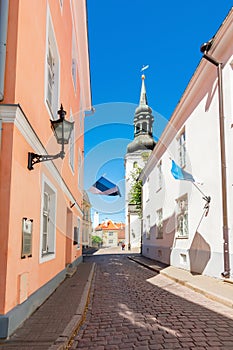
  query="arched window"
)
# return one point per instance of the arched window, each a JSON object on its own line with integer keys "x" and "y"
{"x": 137, "y": 128}
{"x": 144, "y": 126}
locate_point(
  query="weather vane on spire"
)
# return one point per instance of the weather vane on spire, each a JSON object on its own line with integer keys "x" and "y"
{"x": 144, "y": 67}
{"x": 142, "y": 70}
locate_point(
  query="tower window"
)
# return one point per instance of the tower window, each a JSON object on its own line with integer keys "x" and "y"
{"x": 137, "y": 128}
{"x": 144, "y": 127}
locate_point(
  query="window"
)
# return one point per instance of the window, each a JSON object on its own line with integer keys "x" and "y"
{"x": 26, "y": 238}
{"x": 182, "y": 149}
{"x": 48, "y": 220}
{"x": 138, "y": 127}
{"x": 110, "y": 241}
{"x": 45, "y": 247}
{"x": 148, "y": 227}
{"x": 71, "y": 145}
{"x": 77, "y": 233}
{"x": 79, "y": 169}
{"x": 51, "y": 71}
{"x": 182, "y": 216}
{"x": 146, "y": 190}
{"x": 74, "y": 64}
{"x": 110, "y": 234}
{"x": 159, "y": 223}
{"x": 160, "y": 177}
{"x": 144, "y": 127}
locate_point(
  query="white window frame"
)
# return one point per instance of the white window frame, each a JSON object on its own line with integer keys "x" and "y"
{"x": 148, "y": 227}
{"x": 80, "y": 170}
{"x": 182, "y": 217}
{"x": 159, "y": 223}
{"x": 52, "y": 69}
{"x": 182, "y": 148}
{"x": 49, "y": 192}
{"x": 146, "y": 189}
{"x": 78, "y": 232}
{"x": 74, "y": 61}
{"x": 72, "y": 145}
{"x": 160, "y": 175}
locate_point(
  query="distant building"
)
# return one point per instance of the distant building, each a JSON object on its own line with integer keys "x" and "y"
{"x": 96, "y": 219}
{"x": 111, "y": 233}
{"x": 87, "y": 224}
{"x": 138, "y": 152}
{"x": 44, "y": 62}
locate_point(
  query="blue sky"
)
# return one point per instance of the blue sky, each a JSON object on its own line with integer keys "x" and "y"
{"x": 123, "y": 36}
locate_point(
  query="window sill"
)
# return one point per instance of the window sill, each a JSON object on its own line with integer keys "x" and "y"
{"x": 181, "y": 237}
{"x": 46, "y": 254}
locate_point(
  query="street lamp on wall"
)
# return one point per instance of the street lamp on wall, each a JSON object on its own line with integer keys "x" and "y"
{"x": 62, "y": 131}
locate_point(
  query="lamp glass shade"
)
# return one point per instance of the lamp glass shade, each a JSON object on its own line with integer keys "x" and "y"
{"x": 62, "y": 130}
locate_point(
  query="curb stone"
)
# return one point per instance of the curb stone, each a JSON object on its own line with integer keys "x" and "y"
{"x": 63, "y": 340}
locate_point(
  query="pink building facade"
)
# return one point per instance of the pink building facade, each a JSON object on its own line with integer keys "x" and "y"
{"x": 44, "y": 62}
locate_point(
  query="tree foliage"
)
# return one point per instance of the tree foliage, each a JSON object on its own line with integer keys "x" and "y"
{"x": 136, "y": 189}
{"x": 96, "y": 240}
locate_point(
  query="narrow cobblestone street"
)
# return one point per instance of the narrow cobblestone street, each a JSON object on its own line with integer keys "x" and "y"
{"x": 132, "y": 307}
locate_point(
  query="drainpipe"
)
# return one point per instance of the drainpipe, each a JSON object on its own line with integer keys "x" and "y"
{"x": 4, "y": 5}
{"x": 204, "y": 49}
{"x": 129, "y": 243}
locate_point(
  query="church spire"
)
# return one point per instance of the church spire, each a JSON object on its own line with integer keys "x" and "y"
{"x": 143, "y": 124}
{"x": 143, "y": 97}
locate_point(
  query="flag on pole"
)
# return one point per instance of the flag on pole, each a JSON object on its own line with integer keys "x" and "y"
{"x": 180, "y": 174}
{"x": 105, "y": 187}
{"x": 144, "y": 67}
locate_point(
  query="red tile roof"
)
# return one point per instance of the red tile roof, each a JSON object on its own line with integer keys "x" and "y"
{"x": 110, "y": 225}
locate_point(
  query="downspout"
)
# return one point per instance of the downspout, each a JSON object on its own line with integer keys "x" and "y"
{"x": 204, "y": 48}
{"x": 4, "y": 5}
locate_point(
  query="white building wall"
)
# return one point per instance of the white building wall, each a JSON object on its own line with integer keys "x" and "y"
{"x": 198, "y": 112}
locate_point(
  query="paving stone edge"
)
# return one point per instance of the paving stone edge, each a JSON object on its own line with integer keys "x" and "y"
{"x": 188, "y": 284}
{"x": 209, "y": 295}
{"x": 63, "y": 340}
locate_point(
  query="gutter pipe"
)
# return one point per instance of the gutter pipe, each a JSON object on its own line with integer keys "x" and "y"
{"x": 4, "y": 6}
{"x": 204, "y": 48}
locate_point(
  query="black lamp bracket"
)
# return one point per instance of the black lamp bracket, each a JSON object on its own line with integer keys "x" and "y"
{"x": 62, "y": 134}
{"x": 34, "y": 158}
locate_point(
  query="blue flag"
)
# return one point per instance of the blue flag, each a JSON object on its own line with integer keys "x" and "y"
{"x": 105, "y": 187}
{"x": 180, "y": 174}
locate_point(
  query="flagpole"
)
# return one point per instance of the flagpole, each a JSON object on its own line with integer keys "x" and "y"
{"x": 199, "y": 189}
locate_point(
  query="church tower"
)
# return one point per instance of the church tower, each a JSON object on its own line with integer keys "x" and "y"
{"x": 138, "y": 151}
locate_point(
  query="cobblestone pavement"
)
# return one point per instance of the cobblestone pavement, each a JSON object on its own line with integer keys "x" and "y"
{"x": 132, "y": 307}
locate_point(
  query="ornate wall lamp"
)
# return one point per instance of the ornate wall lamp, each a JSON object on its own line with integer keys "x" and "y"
{"x": 62, "y": 131}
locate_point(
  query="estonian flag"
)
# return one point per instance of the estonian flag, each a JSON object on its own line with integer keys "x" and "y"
{"x": 180, "y": 174}
{"x": 105, "y": 187}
